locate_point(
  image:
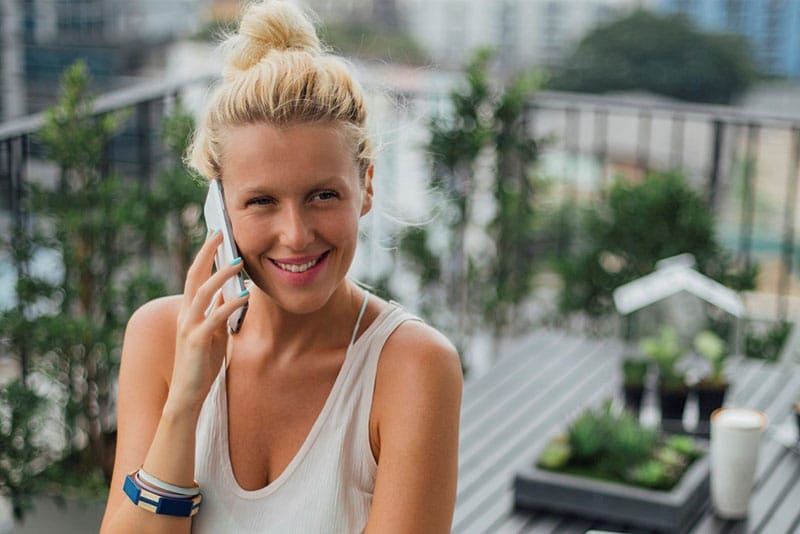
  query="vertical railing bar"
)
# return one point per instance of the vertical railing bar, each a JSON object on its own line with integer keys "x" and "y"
{"x": 5, "y": 159}
{"x": 569, "y": 114}
{"x": 644, "y": 125}
{"x": 601, "y": 145}
{"x": 748, "y": 189}
{"x": 676, "y": 152}
{"x": 143, "y": 140}
{"x": 787, "y": 247}
{"x": 16, "y": 154}
{"x": 568, "y": 191}
{"x": 716, "y": 155}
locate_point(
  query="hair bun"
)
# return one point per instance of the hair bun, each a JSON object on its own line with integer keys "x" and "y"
{"x": 270, "y": 25}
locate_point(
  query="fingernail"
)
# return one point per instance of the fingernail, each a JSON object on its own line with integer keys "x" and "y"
{"x": 214, "y": 233}
{"x": 244, "y": 293}
{"x": 237, "y": 261}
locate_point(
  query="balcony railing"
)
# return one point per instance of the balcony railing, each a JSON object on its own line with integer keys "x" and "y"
{"x": 745, "y": 163}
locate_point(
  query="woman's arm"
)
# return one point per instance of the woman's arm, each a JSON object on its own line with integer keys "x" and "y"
{"x": 416, "y": 410}
{"x": 171, "y": 354}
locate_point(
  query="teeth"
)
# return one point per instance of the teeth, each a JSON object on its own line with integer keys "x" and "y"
{"x": 297, "y": 268}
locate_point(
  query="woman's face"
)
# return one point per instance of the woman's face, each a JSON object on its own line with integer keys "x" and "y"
{"x": 294, "y": 199}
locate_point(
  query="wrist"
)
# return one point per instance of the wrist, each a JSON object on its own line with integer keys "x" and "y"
{"x": 181, "y": 410}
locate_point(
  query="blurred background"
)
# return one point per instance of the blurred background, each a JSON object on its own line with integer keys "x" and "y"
{"x": 534, "y": 155}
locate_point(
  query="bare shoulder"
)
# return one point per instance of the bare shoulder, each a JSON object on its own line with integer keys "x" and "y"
{"x": 415, "y": 347}
{"x": 155, "y": 319}
{"x": 419, "y": 371}
{"x": 150, "y": 334}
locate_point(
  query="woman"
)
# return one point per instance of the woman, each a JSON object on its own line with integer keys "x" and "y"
{"x": 331, "y": 410}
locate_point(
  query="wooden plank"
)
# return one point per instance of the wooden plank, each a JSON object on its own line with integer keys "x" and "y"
{"x": 495, "y": 471}
{"x": 514, "y": 524}
{"x": 532, "y": 371}
{"x": 513, "y": 409}
{"x": 784, "y": 515}
{"x": 504, "y": 375}
{"x": 525, "y": 409}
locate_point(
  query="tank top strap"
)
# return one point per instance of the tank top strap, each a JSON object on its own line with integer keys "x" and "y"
{"x": 360, "y": 316}
{"x": 368, "y": 347}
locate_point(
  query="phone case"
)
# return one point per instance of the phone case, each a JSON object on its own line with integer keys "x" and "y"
{"x": 217, "y": 219}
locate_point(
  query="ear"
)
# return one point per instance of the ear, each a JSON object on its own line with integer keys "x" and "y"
{"x": 367, "y": 191}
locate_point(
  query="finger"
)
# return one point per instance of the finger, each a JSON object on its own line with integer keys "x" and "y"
{"x": 205, "y": 294}
{"x": 201, "y": 266}
{"x": 218, "y": 317}
{"x": 215, "y": 301}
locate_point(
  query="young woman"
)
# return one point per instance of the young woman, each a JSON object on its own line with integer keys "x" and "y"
{"x": 331, "y": 410}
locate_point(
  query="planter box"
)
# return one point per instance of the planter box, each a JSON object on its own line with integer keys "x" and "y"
{"x": 668, "y": 511}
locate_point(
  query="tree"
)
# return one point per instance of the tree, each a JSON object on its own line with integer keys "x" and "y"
{"x": 512, "y": 228}
{"x": 661, "y": 54}
{"x": 622, "y": 237}
{"x": 484, "y": 123}
{"x": 456, "y": 142}
{"x": 108, "y": 232}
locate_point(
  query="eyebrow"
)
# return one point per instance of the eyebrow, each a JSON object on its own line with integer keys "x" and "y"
{"x": 322, "y": 183}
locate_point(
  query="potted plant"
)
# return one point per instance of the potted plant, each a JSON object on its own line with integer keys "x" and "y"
{"x": 634, "y": 372}
{"x": 666, "y": 350}
{"x": 711, "y": 389}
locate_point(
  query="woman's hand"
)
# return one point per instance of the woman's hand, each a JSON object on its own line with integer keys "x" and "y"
{"x": 201, "y": 337}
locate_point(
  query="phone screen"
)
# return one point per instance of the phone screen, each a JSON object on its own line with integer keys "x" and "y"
{"x": 217, "y": 219}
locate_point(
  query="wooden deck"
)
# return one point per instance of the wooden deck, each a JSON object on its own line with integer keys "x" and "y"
{"x": 543, "y": 381}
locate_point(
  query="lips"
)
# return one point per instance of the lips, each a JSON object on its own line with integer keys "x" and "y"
{"x": 299, "y": 265}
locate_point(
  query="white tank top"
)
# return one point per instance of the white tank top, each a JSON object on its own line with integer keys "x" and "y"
{"x": 328, "y": 485}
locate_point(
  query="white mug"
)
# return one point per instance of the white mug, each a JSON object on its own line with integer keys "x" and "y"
{"x": 735, "y": 438}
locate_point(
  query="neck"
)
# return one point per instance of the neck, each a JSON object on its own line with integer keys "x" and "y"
{"x": 285, "y": 335}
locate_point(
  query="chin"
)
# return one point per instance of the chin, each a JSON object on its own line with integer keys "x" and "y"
{"x": 297, "y": 301}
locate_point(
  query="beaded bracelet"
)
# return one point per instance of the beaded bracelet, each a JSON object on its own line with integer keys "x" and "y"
{"x": 160, "y": 504}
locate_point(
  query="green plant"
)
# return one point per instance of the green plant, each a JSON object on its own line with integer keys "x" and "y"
{"x": 603, "y": 444}
{"x": 22, "y": 457}
{"x": 684, "y": 445}
{"x": 666, "y": 350}
{"x": 484, "y": 117}
{"x": 587, "y": 436}
{"x": 634, "y": 371}
{"x": 68, "y": 323}
{"x": 711, "y": 347}
{"x": 613, "y": 247}
{"x": 766, "y": 344}
{"x": 651, "y": 474}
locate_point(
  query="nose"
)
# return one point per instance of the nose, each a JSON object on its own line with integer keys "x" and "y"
{"x": 295, "y": 230}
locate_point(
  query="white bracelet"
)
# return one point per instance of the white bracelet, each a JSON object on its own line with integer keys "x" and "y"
{"x": 150, "y": 479}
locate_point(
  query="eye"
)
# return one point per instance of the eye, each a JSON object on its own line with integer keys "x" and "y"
{"x": 325, "y": 195}
{"x": 260, "y": 201}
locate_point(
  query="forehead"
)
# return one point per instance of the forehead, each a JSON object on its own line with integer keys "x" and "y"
{"x": 296, "y": 151}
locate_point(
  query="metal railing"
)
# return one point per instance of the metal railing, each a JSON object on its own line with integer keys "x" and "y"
{"x": 746, "y": 163}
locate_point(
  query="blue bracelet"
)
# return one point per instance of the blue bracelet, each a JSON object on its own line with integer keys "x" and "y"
{"x": 156, "y": 503}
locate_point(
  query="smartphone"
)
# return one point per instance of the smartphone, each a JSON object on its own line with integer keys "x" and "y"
{"x": 217, "y": 219}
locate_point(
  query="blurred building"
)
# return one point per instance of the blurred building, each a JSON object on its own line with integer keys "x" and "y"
{"x": 525, "y": 32}
{"x": 385, "y": 13}
{"x": 116, "y": 38}
{"x": 771, "y": 26}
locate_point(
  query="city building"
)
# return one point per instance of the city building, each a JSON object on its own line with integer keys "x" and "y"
{"x": 524, "y": 32}
{"x": 771, "y": 26}
{"x": 117, "y": 39}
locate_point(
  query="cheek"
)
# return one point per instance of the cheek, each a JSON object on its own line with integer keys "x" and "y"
{"x": 341, "y": 227}
{"x": 248, "y": 232}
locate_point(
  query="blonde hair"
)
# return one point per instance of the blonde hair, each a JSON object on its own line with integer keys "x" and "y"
{"x": 278, "y": 73}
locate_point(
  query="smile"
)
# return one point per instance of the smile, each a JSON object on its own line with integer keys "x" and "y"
{"x": 301, "y": 267}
